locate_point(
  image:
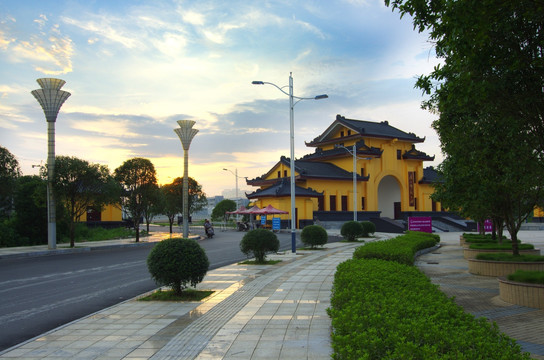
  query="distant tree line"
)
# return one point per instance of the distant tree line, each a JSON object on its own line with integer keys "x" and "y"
{"x": 78, "y": 186}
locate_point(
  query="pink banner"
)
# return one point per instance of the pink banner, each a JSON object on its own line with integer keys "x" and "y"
{"x": 488, "y": 226}
{"x": 421, "y": 223}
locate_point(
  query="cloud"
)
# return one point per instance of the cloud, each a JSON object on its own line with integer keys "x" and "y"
{"x": 49, "y": 52}
{"x": 192, "y": 17}
{"x": 105, "y": 27}
{"x": 5, "y": 40}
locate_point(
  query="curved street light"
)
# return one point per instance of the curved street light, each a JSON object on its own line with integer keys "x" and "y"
{"x": 292, "y": 104}
{"x": 51, "y": 98}
{"x": 235, "y": 173}
{"x": 186, "y": 134}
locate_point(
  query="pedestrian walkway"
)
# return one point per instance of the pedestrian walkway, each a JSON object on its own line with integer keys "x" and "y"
{"x": 479, "y": 295}
{"x": 268, "y": 312}
{"x": 257, "y": 312}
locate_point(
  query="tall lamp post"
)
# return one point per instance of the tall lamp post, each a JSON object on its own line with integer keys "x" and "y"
{"x": 51, "y": 98}
{"x": 235, "y": 173}
{"x": 186, "y": 134}
{"x": 355, "y": 158}
{"x": 292, "y": 104}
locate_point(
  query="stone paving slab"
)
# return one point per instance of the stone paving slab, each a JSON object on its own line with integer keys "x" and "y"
{"x": 479, "y": 295}
{"x": 268, "y": 312}
{"x": 261, "y": 311}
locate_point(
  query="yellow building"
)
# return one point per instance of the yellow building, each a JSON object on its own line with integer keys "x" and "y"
{"x": 391, "y": 180}
{"x": 108, "y": 215}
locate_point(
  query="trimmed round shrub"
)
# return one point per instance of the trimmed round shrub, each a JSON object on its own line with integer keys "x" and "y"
{"x": 351, "y": 230}
{"x": 314, "y": 235}
{"x": 368, "y": 228}
{"x": 259, "y": 242}
{"x": 177, "y": 262}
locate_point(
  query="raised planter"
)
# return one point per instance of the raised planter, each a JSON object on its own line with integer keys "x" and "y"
{"x": 501, "y": 268}
{"x": 471, "y": 253}
{"x": 524, "y": 294}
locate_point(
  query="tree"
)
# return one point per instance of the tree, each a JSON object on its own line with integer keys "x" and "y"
{"x": 80, "y": 185}
{"x": 220, "y": 210}
{"x": 488, "y": 94}
{"x": 197, "y": 198}
{"x": 30, "y": 203}
{"x": 9, "y": 172}
{"x": 172, "y": 195}
{"x": 137, "y": 177}
{"x": 259, "y": 242}
{"x": 314, "y": 235}
{"x": 154, "y": 206}
{"x": 173, "y": 198}
{"x": 177, "y": 262}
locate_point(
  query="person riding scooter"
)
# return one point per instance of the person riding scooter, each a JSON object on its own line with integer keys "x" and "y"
{"x": 208, "y": 228}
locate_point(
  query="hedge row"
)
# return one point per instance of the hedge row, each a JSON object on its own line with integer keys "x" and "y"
{"x": 480, "y": 238}
{"x": 401, "y": 249}
{"x": 496, "y": 246}
{"x": 386, "y": 310}
{"x": 390, "y": 310}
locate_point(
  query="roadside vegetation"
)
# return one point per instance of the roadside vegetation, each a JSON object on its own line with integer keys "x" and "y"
{"x": 509, "y": 257}
{"x": 382, "y": 307}
{"x": 81, "y": 186}
{"x": 530, "y": 277}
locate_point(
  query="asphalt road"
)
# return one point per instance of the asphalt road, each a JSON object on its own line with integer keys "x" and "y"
{"x": 41, "y": 293}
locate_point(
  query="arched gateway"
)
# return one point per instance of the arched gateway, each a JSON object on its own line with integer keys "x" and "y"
{"x": 389, "y": 197}
{"x": 330, "y": 186}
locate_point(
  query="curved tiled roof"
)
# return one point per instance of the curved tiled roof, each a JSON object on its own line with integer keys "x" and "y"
{"x": 414, "y": 154}
{"x": 367, "y": 129}
{"x": 313, "y": 169}
{"x": 283, "y": 188}
{"x": 430, "y": 175}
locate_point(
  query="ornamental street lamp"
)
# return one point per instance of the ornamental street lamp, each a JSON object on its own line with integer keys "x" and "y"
{"x": 235, "y": 173}
{"x": 51, "y": 98}
{"x": 186, "y": 134}
{"x": 292, "y": 104}
{"x": 355, "y": 158}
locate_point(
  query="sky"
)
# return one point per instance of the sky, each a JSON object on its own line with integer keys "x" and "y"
{"x": 134, "y": 68}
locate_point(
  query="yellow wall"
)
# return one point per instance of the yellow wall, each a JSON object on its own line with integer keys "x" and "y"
{"x": 378, "y": 168}
{"x": 109, "y": 213}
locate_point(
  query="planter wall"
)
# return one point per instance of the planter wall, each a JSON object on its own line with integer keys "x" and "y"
{"x": 501, "y": 268}
{"x": 530, "y": 295}
{"x": 471, "y": 253}
{"x": 461, "y": 240}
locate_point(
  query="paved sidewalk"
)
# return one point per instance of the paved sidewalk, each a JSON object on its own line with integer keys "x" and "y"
{"x": 268, "y": 312}
{"x": 479, "y": 295}
{"x": 257, "y": 312}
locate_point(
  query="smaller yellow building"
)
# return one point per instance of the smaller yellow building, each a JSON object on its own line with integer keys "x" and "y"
{"x": 390, "y": 178}
{"x": 110, "y": 213}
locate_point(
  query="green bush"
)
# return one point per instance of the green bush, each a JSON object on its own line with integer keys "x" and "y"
{"x": 177, "y": 262}
{"x": 478, "y": 238}
{"x": 84, "y": 233}
{"x": 351, "y": 230}
{"x": 510, "y": 257}
{"x": 314, "y": 235}
{"x": 496, "y": 246}
{"x": 368, "y": 228}
{"x": 530, "y": 277}
{"x": 259, "y": 242}
{"x": 8, "y": 236}
{"x": 386, "y": 310}
{"x": 401, "y": 249}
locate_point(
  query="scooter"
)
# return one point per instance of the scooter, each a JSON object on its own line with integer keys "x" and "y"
{"x": 209, "y": 232}
{"x": 243, "y": 226}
